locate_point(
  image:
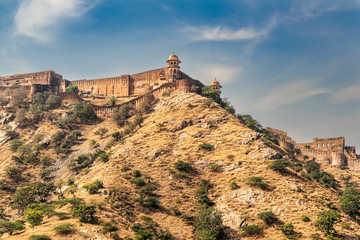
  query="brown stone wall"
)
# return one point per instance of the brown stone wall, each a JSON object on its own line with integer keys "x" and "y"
{"x": 145, "y": 80}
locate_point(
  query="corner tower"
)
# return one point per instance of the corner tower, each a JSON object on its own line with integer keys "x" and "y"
{"x": 173, "y": 69}
{"x": 215, "y": 85}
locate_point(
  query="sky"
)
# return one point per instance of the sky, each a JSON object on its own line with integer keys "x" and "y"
{"x": 293, "y": 65}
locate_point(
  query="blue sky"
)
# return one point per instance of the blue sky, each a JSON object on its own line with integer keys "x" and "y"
{"x": 293, "y": 65}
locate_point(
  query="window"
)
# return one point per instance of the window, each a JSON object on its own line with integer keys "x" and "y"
{"x": 323, "y": 145}
{"x": 328, "y": 145}
{"x": 318, "y": 145}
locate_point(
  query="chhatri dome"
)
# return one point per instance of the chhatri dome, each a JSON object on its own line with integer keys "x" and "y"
{"x": 216, "y": 85}
{"x": 173, "y": 57}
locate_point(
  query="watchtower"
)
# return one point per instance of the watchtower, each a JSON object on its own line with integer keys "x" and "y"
{"x": 173, "y": 69}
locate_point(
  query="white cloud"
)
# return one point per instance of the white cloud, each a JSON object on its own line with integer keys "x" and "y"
{"x": 289, "y": 94}
{"x": 223, "y": 73}
{"x": 346, "y": 94}
{"x": 38, "y": 18}
{"x": 219, "y": 33}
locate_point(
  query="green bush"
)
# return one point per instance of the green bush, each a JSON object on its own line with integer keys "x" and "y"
{"x": 214, "y": 167}
{"x": 315, "y": 236}
{"x": 148, "y": 190}
{"x": 108, "y": 227}
{"x": 10, "y": 227}
{"x": 180, "y": 175}
{"x": 84, "y": 112}
{"x": 138, "y": 181}
{"x": 72, "y": 88}
{"x": 34, "y": 216}
{"x": 137, "y": 173}
{"x": 141, "y": 233}
{"x": 208, "y": 224}
{"x": 117, "y": 136}
{"x": 206, "y": 146}
{"x": 326, "y": 220}
{"x": 39, "y": 237}
{"x": 94, "y": 187}
{"x": 233, "y": 185}
{"x": 305, "y": 218}
{"x": 279, "y": 165}
{"x": 81, "y": 162}
{"x": 287, "y": 229}
{"x": 183, "y": 166}
{"x": 151, "y": 202}
{"x": 112, "y": 101}
{"x": 15, "y": 144}
{"x": 85, "y": 213}
{"x": 14, "y": 172}
{"x": 251, "y": 230}
{"x": 268, "y": 217}
{"x": 350, "y": 202}
{"x": 257, "y": 182}
{"x": 64, "y": 229}
{"x": 101, "y": 132}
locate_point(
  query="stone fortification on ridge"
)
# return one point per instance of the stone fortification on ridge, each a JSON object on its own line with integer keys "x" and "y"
{"x": 322, "y": 149}
{"x": 122, "y": 86}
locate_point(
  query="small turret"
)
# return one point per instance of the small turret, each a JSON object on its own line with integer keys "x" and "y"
{"x": 216, "y": 85}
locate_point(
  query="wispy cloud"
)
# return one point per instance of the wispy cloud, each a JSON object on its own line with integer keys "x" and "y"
{"x": 289, "y": 94}
{"x": 224, "y": 73}
{"x": 38, "y": 18}
{"x": 221, "y": 33}
{"x": 346, "y": 94}
{"x": 305, "y": 9}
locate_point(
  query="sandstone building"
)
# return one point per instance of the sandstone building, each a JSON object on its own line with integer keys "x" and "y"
{"x": 333, "y": 150}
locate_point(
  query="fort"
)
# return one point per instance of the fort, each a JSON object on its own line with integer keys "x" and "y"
{"x": 326, "y": 150}
{"x": 126, "y": 88}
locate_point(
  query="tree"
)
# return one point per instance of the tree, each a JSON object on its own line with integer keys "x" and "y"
{"x": 15, "y": 144}
{"x": 13, "y": 172}
{"x": 350, "y": 202}
{"x": 10, "y": 227}
{"x": 326, "y": 220}
{"x": 279, "y": 165}
{"x": 18, "y": 98}
{"x": 117, "y": 136}
{"x": 85, "y": 213}
{"x": 112, "y": 101}
{"x": 208, "y": 92}
{"x": 84, "y": 112}
{"x": 72, "y": 88}
{"x": 251, "y": 123}
{"x": 208, "y": 224}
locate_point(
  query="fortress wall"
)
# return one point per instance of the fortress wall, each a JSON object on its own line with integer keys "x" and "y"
{"x": 353, "y": 164}
{"x": 118, "y": 86}
{"x": 145, "y": 80}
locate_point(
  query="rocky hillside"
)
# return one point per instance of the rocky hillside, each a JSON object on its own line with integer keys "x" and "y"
{"x": 187, "y": 153}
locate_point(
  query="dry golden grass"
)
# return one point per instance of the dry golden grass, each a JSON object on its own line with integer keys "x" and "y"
{"x": 173, "y": 132}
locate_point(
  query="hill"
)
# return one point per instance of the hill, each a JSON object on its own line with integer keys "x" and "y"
{"x": 187, "y": 154}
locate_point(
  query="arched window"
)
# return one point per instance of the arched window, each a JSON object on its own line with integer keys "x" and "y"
{"x": 318, "y": 145}
{"x": 323, "y": 145}
{"x": 328, "y": 145}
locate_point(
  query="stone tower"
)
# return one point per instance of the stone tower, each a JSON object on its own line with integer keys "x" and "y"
{"x": 173, "y": 69}
{"x": 216, "y": 85}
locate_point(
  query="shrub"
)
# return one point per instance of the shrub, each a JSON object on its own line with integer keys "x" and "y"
{"x": 305, "y": 218}
{"x": 138, "y": 181}
{"x": 251, "y": 123}
{"x": 137, "y": 173}
{"x": 108, "y": 227}
{"x": 112, "y": 101}
{"x": 257, "y": 182}
{"x": 214, "y": 167}
{"x": 34, "y": 216}
{"x": 117, "y": 136}
{"x": 94, "y": 187}
{"x": 183, "y": 166}
{"x": 268, "y": 217}
{"x": 208, "y": 224}
{"x": 251, "y": 230}
{"x": 287, "y": 229}
{"x": 151, "y": 202}
{"x": 64, "y": 229}
{"x": 101, "y": 132}
{"x": 149, "y": 190}
{"x": 84, "y": 112}
{"x": 350, "y": 202}
{"x": 82, "y": 161}
{"x": 15, "y": 144}
{"x": 315, "y": 236}
{"x": 125, "y": 168}
{"x": 39, "y": 237}
{"x": 141, "y": 233}
{"x": 121, "y": 116}
{"x": 206, "y": 146}
{"x": 85, "y": 213}
{"x": 279, "y": 165}
{"x": 13, "y": 172}
{"x": 326, "y": 220}
{"x": 233, "y": 185}
{"x": 10, "y": 227}
{"x": 72, "y": 88}
{"x": 180, "y": 175}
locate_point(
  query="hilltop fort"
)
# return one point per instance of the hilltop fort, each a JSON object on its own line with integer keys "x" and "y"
{"x": 332, "y": 150}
